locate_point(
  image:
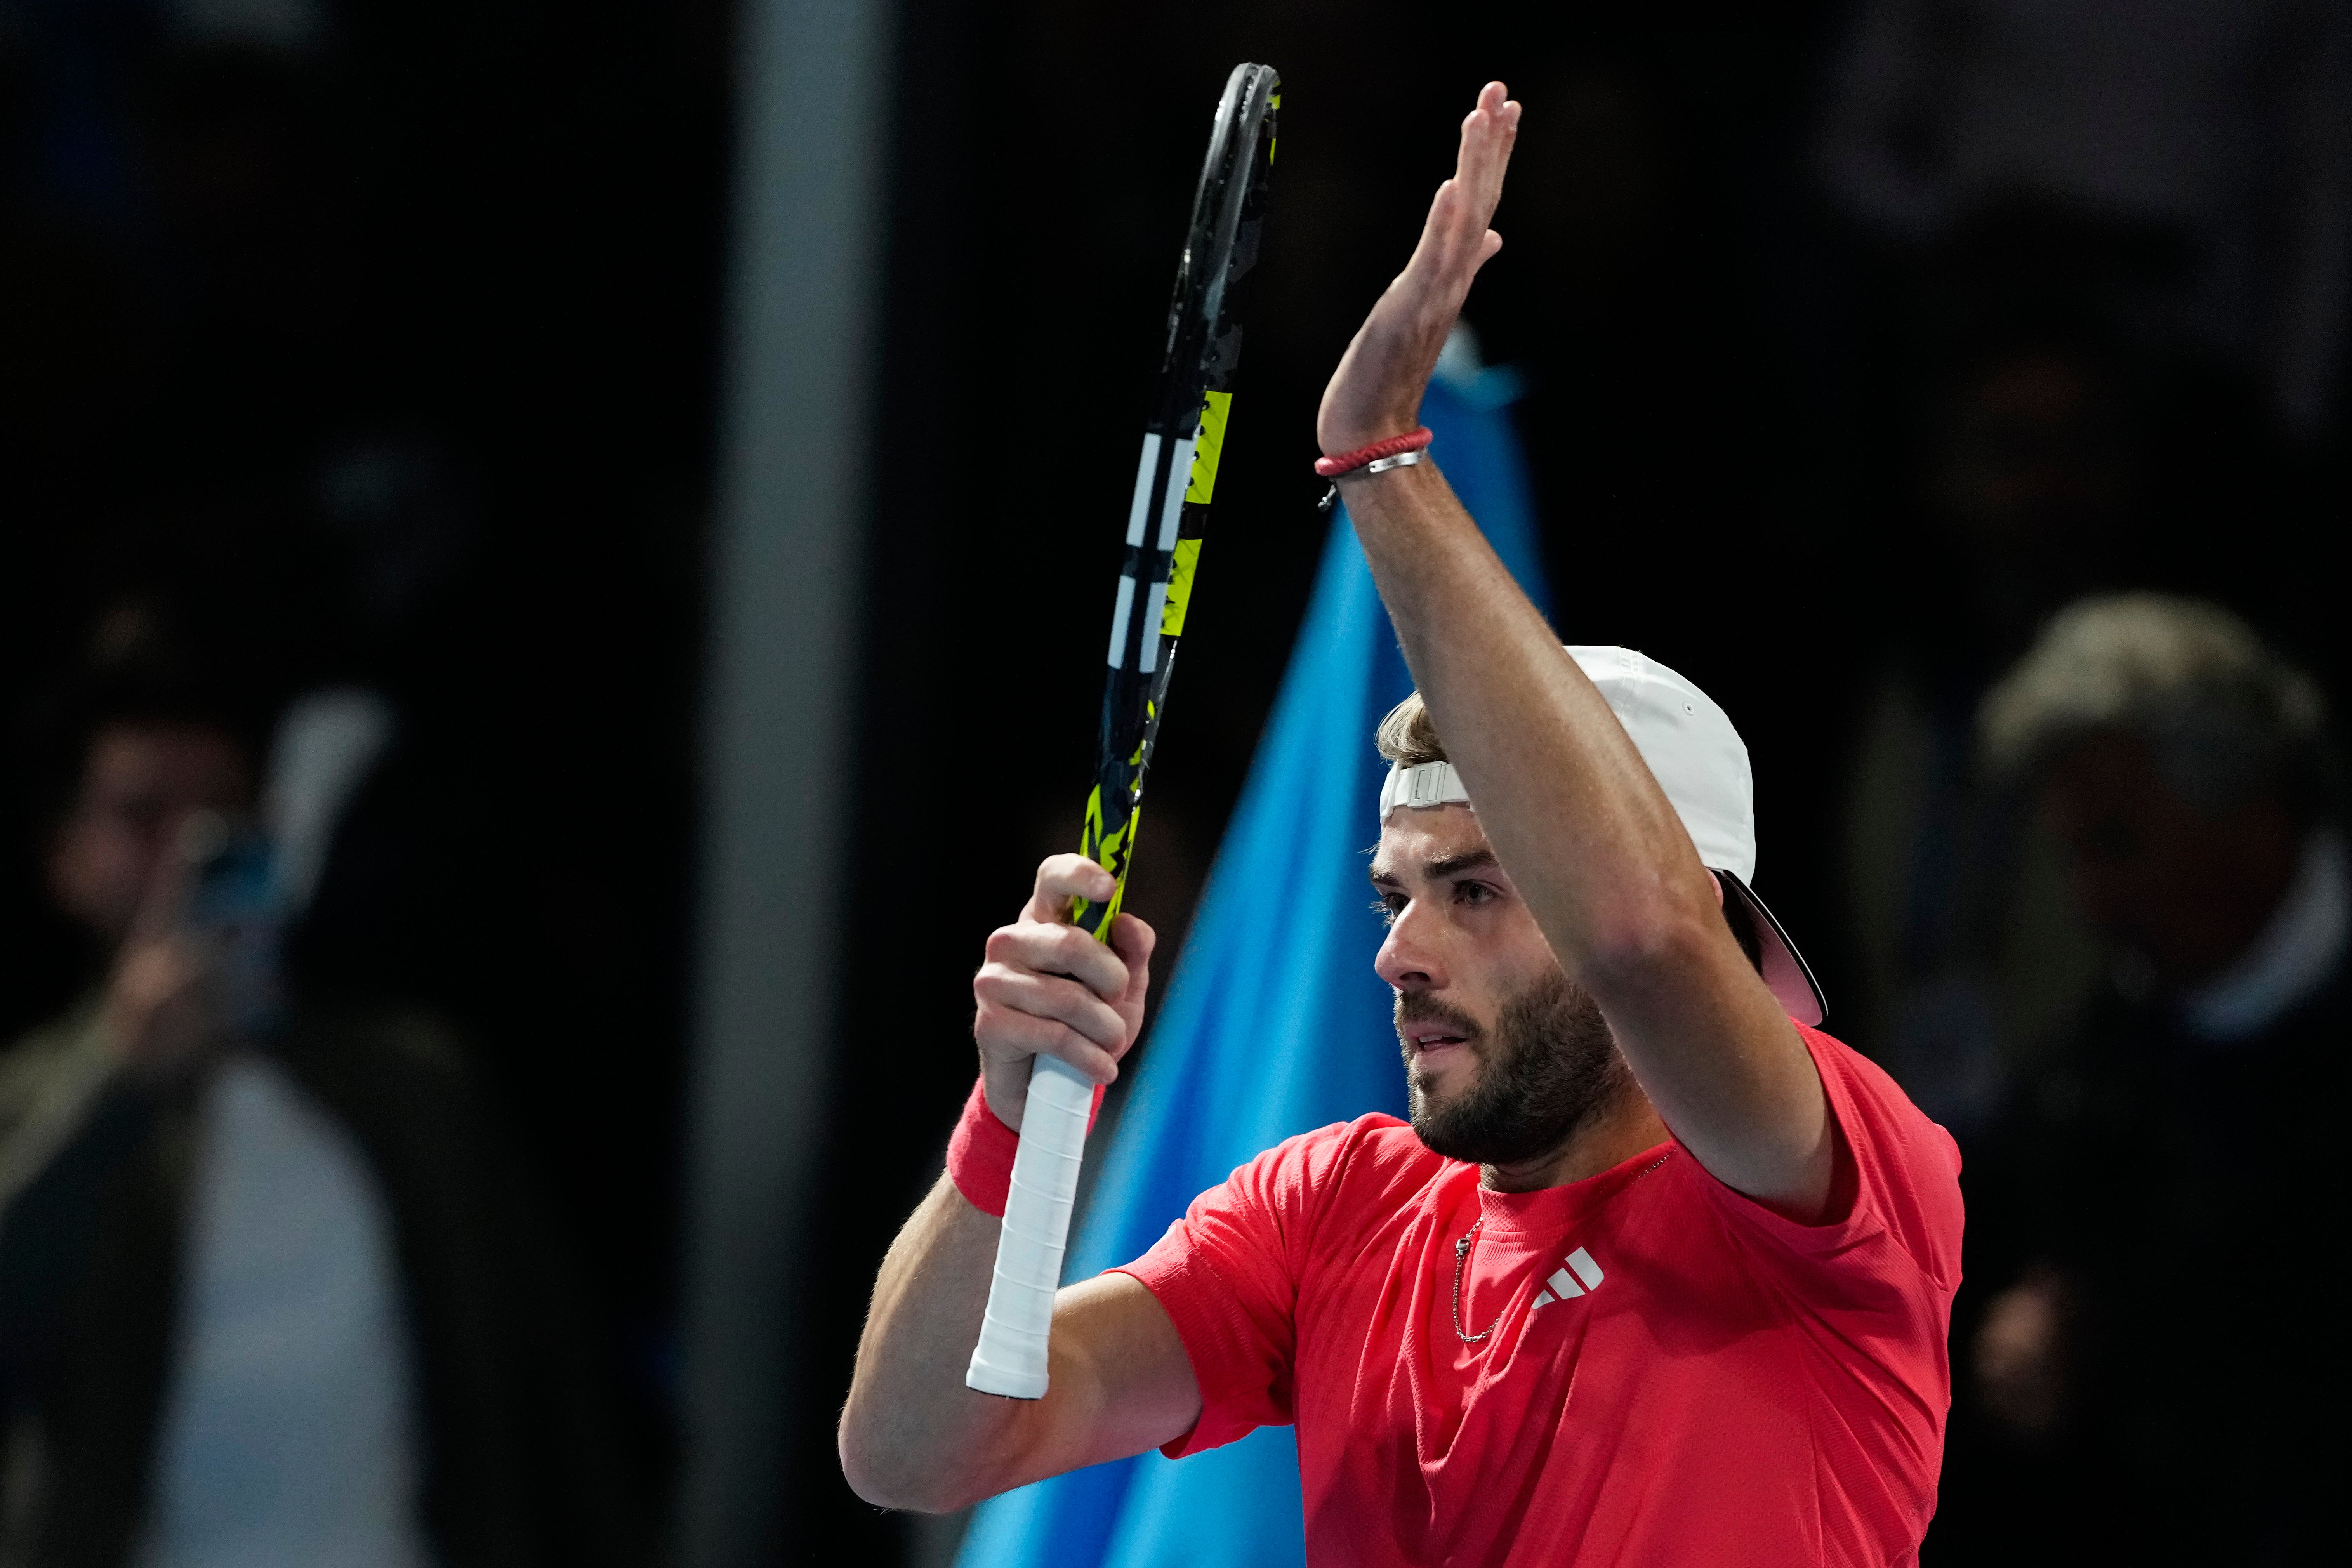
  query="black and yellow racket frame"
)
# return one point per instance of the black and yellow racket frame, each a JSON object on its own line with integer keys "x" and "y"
{"x": 1183, "y": 440}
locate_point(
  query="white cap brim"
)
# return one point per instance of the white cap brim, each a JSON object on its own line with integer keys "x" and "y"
{"x": 1786, "y": 973}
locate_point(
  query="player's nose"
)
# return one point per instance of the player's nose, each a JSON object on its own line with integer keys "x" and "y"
{"x": 1409, "y": 960}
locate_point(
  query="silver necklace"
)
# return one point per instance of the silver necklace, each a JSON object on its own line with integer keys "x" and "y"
{"x": 1461, "y": 1257}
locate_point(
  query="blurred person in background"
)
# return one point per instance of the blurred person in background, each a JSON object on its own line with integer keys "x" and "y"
{"x": 2157, "y": 1357}
{"x": 2032, "y": 483}
{"x": 2105, "y": 256}
{"x": 2186, "y": 169}
{"x": 269, "y": 1292}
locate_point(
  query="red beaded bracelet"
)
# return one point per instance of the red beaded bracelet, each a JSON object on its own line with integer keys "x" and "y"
{"x": 1364, "y": 456}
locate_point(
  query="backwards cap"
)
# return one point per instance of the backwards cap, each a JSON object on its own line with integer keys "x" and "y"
{"x": 1700, "y": 763}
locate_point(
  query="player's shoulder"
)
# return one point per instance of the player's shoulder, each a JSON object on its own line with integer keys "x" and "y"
{"x": 1330, "y": 1183}
{"x": 1372, "y": 1153}
{"x": 1851, "y": 1065}
{"x": 1912, "y": 1164}
{"x": 1854, "y": 1080}
{"x": 1375, "y": 1137}
{"x": 1384, "y": 1139}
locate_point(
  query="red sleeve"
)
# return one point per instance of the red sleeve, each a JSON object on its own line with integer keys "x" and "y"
{"x": 1228, "y": 1272}
{"x": 1896, "y": 1189}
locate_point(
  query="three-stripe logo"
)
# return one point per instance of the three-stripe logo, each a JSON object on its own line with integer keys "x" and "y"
{"x": 1563, "y": 1284}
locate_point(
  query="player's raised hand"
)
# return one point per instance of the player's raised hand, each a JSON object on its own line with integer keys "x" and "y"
{"x": 1049, "y": 989}
{"x": 1376, "y": 392}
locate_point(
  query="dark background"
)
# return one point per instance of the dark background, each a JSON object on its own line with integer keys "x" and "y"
{"x": 474, "y": 256}
{"x": 435, "y": 293}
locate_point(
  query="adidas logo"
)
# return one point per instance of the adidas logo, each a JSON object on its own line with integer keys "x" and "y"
{"x": 1561, "y": 1285}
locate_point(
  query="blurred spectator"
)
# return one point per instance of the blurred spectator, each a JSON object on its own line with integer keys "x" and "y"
{"x": 2185, "y": 170}
{"x": 268, "y": 1294}
{"x": 2158, "y": 1349}
{"x": 2033, "y": 490}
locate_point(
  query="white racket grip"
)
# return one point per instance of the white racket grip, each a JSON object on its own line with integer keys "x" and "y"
{"x": 1010, "y": 1358}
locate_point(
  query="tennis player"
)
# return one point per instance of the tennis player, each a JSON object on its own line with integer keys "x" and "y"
{"x": 1658, "y": 1274}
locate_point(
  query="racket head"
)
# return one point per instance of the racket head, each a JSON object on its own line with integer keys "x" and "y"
{"x": 1183, "y": 440}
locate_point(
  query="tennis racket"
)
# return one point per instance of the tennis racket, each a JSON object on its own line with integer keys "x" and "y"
{"x": 1183, "y": 439}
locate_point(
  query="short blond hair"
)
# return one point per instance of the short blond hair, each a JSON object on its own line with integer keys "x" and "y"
{"x": 1407, "y": 736}
{"x": 2223, "y": 713}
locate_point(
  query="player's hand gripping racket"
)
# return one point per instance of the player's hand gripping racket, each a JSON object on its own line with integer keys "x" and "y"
{"x": 1174, "y": 481}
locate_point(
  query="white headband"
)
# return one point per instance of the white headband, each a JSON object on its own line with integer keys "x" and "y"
{"x": 1423, "y": 784}
{"x": 1687, "y": 741}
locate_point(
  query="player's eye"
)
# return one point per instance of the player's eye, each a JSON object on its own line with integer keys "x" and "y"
{"x": 1473, "y": 893}
{"x": 1388, "y": 906}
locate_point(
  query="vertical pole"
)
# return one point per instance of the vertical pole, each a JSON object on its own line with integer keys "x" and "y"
{"x": 779, "y": 740}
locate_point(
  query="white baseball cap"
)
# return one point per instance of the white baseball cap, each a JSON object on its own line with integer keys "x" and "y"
{"x": 1701, "y": 763}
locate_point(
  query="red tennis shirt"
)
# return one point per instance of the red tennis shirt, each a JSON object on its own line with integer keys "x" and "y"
{"x": 1677, "y": 1376}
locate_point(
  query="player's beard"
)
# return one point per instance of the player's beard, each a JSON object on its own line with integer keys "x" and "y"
{"x": 1548, "y": 1067}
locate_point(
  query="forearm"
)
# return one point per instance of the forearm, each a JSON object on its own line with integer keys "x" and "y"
{"x": 1562, "y": 795}
{"x": 1566, "y": 801}
{"x": 914, "y": 1436}
{"x": 1594, "y": 847}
